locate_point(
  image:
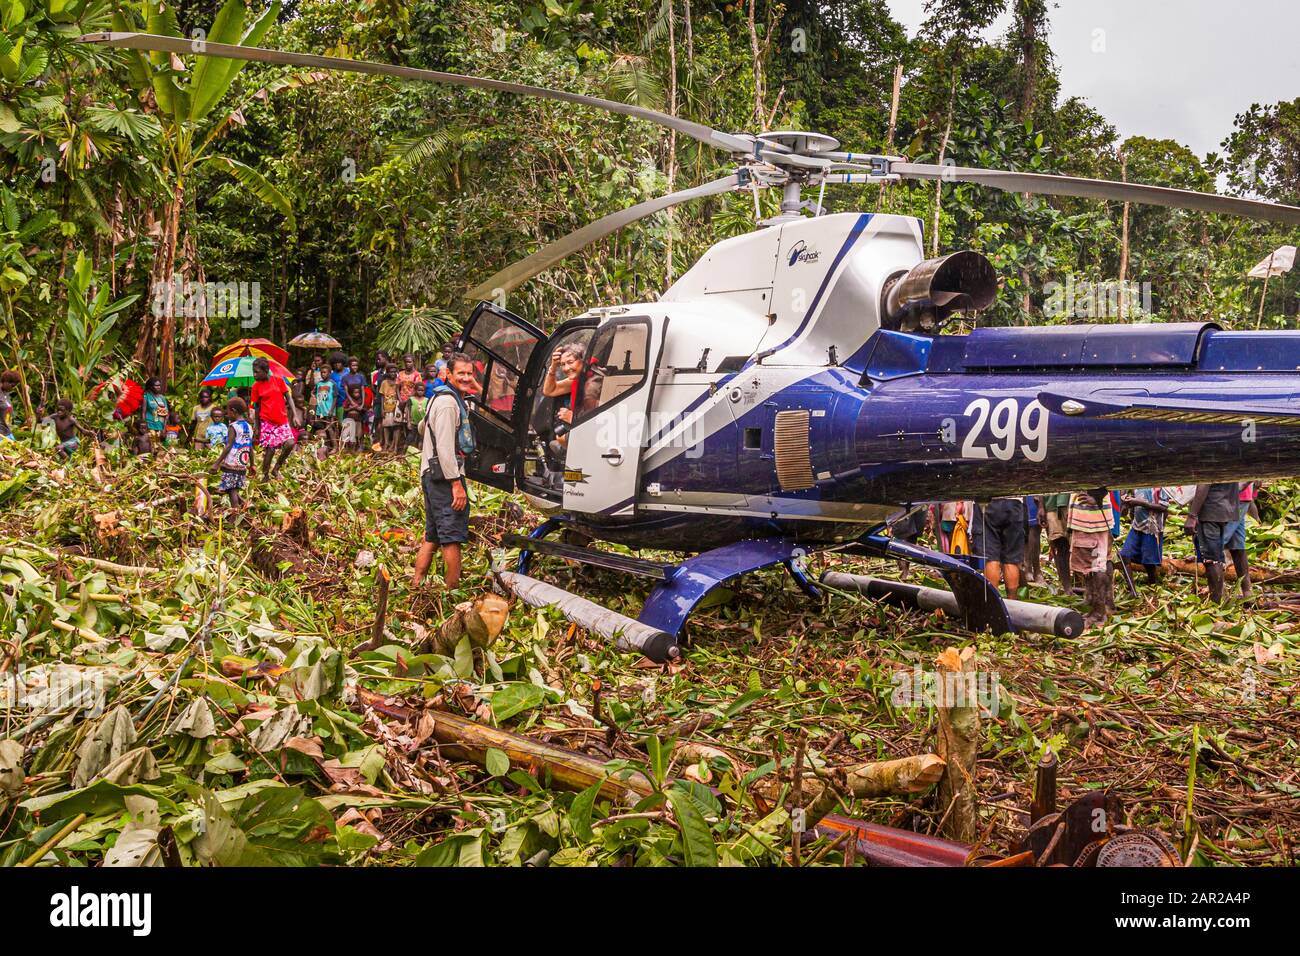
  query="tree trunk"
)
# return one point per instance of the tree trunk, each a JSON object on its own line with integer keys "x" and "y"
{"x": 1028, "y": 16}
{"x": 690, "y": 38}
{"x": 760, "y": 114}
{"x": 943, "y": 149}
{"x": 470, "y": 740}
{"x": 167, "y": 344}
{"x": 1123, "y": 242}
{"x": 672, "y": 133}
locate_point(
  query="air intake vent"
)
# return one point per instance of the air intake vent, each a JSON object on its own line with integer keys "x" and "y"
{"x": 793, "y": 451}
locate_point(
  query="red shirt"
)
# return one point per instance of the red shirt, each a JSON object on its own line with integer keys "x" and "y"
{"x": 269, "y": 397}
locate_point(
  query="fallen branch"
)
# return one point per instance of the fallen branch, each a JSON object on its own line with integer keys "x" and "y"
{"x": 26, "y": 551}
{"x": 467, "y": 739}
{"x": 382, "y": 580}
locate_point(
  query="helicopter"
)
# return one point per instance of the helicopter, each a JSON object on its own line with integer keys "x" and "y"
{"x": 794, "y": 391}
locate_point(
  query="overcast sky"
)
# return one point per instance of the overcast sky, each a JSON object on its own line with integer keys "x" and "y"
{"x": 1168, "y": 69}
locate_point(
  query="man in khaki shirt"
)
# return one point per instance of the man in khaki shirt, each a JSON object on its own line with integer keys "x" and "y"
{"x": 442, "y": 475}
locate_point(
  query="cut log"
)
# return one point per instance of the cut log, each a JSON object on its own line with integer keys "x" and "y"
{"x": 481, "y": 620}
{"x": 467, "y": 739}
{"x": 901, "y": 777}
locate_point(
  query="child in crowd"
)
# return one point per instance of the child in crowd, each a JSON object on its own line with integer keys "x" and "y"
{"x": 214, "y": 436}
{"x": 376, "y": 412}
{"x": 67, "y": 427}
{"x": 1145, "y": 542}
{"x": 323, "y": 400}
{"x": 236, "y": 454}
{"x": 172, "y": 429}
{"x": 9, "y": 382}
{"x": 143, "y": 444}
{"x": 154, "y": 409}
{"x": 273, "y": 411}
{"x": 353, "y": 375}
{"x": 1090, "y": 540}
{"x": 392, "y": 420}
{"x": 353, "y": 413}
{"x": 199, "y": 419}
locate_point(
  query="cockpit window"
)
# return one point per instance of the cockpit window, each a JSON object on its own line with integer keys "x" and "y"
{"x": 615, "y": 364}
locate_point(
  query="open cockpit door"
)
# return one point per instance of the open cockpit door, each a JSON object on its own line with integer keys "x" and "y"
{"x": 500, "y": 343}
{"x": 611, "y": 415}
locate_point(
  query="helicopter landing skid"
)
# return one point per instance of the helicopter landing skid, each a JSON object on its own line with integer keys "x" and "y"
{"x": 978, "y": 602}
{"x": 681, "y": 587}
{"x": 672, "y": 601}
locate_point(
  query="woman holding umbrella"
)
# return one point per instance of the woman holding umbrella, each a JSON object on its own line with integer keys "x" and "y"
{"x": 273, "y": 411}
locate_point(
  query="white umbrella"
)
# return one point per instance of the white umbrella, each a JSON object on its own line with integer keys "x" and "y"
{"x": 1279, "y": 261}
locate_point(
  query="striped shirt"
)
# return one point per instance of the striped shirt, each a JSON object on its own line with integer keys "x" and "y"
{"x": 1088, "y": 516}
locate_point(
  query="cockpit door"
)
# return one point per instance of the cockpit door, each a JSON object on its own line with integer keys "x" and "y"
{"x": 611, "y": 424}
{"x": 500, "y": 343}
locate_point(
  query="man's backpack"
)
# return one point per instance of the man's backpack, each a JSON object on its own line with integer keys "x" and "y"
{"x": 465, "y": 429}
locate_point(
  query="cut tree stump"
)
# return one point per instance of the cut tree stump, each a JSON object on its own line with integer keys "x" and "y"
{"x": 959, "y": 739}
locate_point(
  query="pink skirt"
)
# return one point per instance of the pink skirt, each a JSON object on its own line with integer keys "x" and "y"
{"x": 273, "y": 436}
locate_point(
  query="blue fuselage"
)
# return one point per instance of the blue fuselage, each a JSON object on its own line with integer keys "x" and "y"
{"x": 910, "y": 419}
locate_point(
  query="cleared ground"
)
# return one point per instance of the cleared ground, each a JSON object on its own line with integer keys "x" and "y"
{"x": 221, "y": 722}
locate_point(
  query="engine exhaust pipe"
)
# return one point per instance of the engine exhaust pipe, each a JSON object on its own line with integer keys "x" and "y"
{"x": 1024, "y": 615}
{"x": 922, "y": 299}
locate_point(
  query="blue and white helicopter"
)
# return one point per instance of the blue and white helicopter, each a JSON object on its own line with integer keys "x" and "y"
{"x": 792, "y": 392}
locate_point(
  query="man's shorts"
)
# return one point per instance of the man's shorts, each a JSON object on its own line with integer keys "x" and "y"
{"x": 443, "y": 524}
{"x": 1004, "y": 531}
{"x": 1142, "y": 548}
{"x": 1234, "y": 534}
{"x": 1089, "y": 551}
{"x": 1056, "y": 529}
{"x": 1212, "y": 538}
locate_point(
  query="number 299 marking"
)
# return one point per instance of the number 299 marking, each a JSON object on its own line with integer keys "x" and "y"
{"x": 1009, "y": 430}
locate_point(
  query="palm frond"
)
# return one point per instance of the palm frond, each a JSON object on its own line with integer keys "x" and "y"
{"x": 632, "y": 79}
{"x": 417, "y": 330}
{"x": 658, "y": 27}
{"x": 434, "y": 147}
{"x": 258, "y": 185}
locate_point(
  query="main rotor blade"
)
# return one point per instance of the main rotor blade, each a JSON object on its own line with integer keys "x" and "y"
{"x": 1049, "y": 185}
{"x": 545, "y": 257}
{"x": 149, "y": 41}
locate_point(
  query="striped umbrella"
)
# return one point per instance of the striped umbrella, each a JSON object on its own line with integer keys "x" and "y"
{"x": 263, "y": 347}
{"x": 237, "y": 371}
{"x": 315, "y": 340}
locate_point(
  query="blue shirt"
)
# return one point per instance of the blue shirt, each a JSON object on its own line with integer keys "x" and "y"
{"x": 354, "y": 378}
{"x": 216, "y": 434}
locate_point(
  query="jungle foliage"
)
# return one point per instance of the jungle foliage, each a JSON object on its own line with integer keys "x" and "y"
{"x": 360, "y": 205}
